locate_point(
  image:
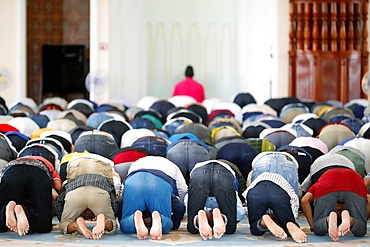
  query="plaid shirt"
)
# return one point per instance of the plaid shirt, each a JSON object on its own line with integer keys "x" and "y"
{"x": 260, "y": 144}
{"x": 95, "y": 180}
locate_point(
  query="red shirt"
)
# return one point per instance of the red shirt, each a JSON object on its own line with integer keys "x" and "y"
{"x": 191, "y": 88}
{"x": 339, "y": 179}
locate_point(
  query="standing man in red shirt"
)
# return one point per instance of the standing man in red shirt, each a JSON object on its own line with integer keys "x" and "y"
{"x": 189, "y": 86}
{"x": 340, "y": 198}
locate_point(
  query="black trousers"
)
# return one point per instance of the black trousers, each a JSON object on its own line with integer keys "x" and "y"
{"x": 31, "y": 187}
{"x": 212, "y": 180}
{"x": 263, "y": 196}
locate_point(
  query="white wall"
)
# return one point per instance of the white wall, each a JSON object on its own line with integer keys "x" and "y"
{"x": 281, "y": 49}
{"x": 99, "y": 51}
{"x": 198, "y": 33}
{"x": 128, "y": 50}
{"x": 263, "y": 48}
{"x": 13, "y": 48}
{"x": 228, "y": 42}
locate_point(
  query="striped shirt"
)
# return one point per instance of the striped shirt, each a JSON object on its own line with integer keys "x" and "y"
{"x": 280, "y": 181}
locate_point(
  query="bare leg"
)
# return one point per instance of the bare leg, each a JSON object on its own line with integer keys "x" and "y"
{"x": 343, "y": 229}
{"x": 205, "y": 230}
{"x": 219, "y": 227}
{"x": 296, "y": 233}
{"x": 22, "y": 221}
{"x": 98, "y": 230}
{"x": 156, "y": 229}
{"x": 81, "y": 228}
{"x": 11, "y": 221}
{"x": 141, "y": 230}
{"x": 273, "y": 227}
{"x": 333, "y": 228}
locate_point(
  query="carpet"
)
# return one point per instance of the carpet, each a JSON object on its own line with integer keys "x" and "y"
{"x": 181, "y": 237}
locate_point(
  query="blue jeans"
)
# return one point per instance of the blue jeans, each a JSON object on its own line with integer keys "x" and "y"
{"x": 142, "y": 191}
{"x": 280, "y": 163}
{"x": 155, "y": 145}
{"x": 185, "y": 154}
{"x": 355, "y": 204}
{"x": 96, "y": 143}
{"x": 212, "y": 180}
{"x": 268, "y": 195}
{"x": 43, "y": 152}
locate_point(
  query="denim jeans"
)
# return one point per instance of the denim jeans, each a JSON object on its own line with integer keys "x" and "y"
{"x": 277, "y": 162}
{"x": 44, "y": 151}
{"x": 268, "y": 195}
{"x": 240, "y": 154}
{"x": 96, "y": 143}
{"x": 215, "y": 180}
{"x": 142, "y": 191}
{"x": 185, "y": 154}
{"x": 156, "y": 145}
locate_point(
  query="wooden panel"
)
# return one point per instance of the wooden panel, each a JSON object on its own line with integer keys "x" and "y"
{"x": 354, "y": 75}
{"x": 329, "y": 77}
{"x": 322, "y": 76}
{"x": 304, "y": 75}
{"x": 328, "y": 49}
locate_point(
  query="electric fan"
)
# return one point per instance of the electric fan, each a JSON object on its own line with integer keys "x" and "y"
{"x": 96, "y": 82}
{"x": 4, "y": 77}
{"x": 365, "y": 84}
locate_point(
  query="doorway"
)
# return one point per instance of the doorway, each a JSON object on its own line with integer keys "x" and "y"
{"x": 59, "y": 23}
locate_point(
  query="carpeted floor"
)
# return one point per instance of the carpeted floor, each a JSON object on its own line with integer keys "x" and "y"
{"x": 181, "y": 237}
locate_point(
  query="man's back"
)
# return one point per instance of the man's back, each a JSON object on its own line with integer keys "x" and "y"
{"x": 191, "y": 88}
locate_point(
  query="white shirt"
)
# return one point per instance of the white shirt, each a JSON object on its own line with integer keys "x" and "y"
{"x": 162, "y": 164}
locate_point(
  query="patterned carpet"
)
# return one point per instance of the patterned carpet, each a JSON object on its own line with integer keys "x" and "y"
{"x": 181, "y": 237}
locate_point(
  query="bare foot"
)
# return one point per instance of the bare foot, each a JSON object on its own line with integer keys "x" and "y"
{"x": 296, "y": 233}
{"x": 11, "y": 221}
{"x": 81, "y": 227}
{"x": 273, "y": 227}
{"x": 22, "y": 221}
{"x": 156, "y": 229}
{"x": 141, "y": 229}
{"x": 205, "y": 230}
{"x": 333, "y": 228}
{"x": 98, "y": 230}
{"x": 219, "y": 227}
{"x": 343, "y": 229}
